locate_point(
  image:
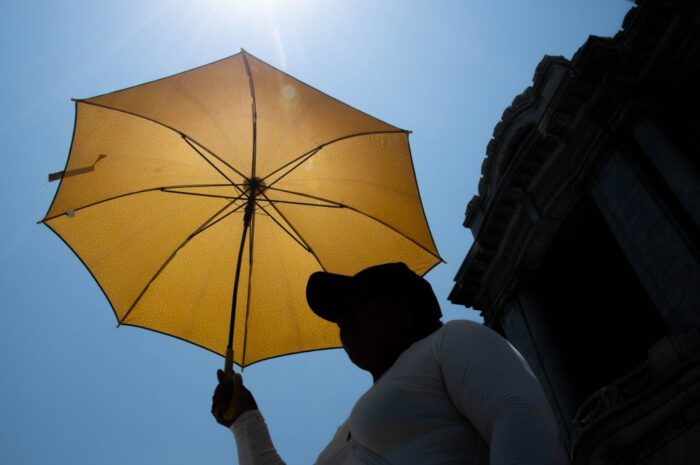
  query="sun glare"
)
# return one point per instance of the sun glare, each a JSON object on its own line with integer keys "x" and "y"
{"x": 273, "y": 21}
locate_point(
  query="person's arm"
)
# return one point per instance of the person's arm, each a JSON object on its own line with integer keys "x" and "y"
{"x": 492, "y": 386}
{"x": 253, "y": 440}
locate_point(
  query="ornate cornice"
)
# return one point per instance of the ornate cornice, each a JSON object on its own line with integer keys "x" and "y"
{"x": 543, "y": 145}
{"x": 641, "y": 411}
{"x": 567, "y": 103}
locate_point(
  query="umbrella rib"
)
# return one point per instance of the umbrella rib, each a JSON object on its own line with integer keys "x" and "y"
{"x": 107, "y": 107}
{"x": 303, "y": 203}
{"x": 320, "y": 92}
{"x": 198, "y": 194}
{"x": 187, "y": 140}
{"x": 204, "y": 226}
{"x": 299, "y": 161}
{"x": 309, "y": 196}
{"x": 361, "y": 213}
{"x": 151, "y": 189}
{"x": 297, "y": 240}
{"x": 253, "y": 110}
{"x": 143, "y": 84}
{"x": 308, "y": 247}
{"x": 303, "y": 158}
{"x": 196, "y": 233}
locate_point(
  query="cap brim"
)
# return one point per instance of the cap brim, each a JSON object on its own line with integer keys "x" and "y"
{"x": 327, "y": 293}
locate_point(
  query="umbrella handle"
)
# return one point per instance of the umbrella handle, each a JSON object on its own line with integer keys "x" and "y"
{"x": 228, "y": 362}
{"x": 236, "y": 396}
{"x": 235, "y": 404}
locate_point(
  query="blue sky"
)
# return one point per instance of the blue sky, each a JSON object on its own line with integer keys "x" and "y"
{"x": 76, "y": 390}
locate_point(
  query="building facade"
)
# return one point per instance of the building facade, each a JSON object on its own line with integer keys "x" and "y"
{"x": 586, "y": 252}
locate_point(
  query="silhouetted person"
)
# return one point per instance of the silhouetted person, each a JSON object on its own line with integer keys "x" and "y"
{"x": 456, "y": 393}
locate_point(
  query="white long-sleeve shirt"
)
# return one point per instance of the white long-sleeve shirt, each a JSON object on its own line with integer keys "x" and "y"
{"x": 462, "y": 395}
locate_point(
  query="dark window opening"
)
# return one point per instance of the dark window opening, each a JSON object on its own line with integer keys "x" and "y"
{"x": 681, "y": 124}
{"x": 602, "y": 319}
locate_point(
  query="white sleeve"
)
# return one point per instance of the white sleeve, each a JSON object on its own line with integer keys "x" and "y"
{"x": 339, "y": 449}
{"x": 492, "y": 386}
{"x": 253, "y": 440}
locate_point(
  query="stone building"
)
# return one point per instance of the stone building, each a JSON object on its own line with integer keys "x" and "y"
{"x": 586, "y": 252}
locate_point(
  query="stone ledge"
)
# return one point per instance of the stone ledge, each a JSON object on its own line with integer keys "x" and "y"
{"x": 631, "y": 419}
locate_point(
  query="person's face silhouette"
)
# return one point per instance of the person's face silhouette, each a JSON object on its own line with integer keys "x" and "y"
{"x": 373, "y": 334}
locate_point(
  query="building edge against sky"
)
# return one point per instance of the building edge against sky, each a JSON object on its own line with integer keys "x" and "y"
{"x": 586, "y": 226}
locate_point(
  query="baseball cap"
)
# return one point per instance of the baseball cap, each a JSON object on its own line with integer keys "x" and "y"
{"x": 330, "y": 295}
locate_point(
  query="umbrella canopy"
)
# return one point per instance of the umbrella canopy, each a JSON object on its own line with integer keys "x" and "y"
{"x": 164, "y": 180}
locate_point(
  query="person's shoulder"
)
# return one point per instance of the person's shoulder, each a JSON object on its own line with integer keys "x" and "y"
{"x": 466, "y": 334}
{"x": 463, "y": 326}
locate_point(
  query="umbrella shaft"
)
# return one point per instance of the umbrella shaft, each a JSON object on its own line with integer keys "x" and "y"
{"x": 247, "y": 216}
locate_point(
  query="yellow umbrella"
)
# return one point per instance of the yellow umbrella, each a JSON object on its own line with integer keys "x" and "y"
{"x": 165, "y": 179}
